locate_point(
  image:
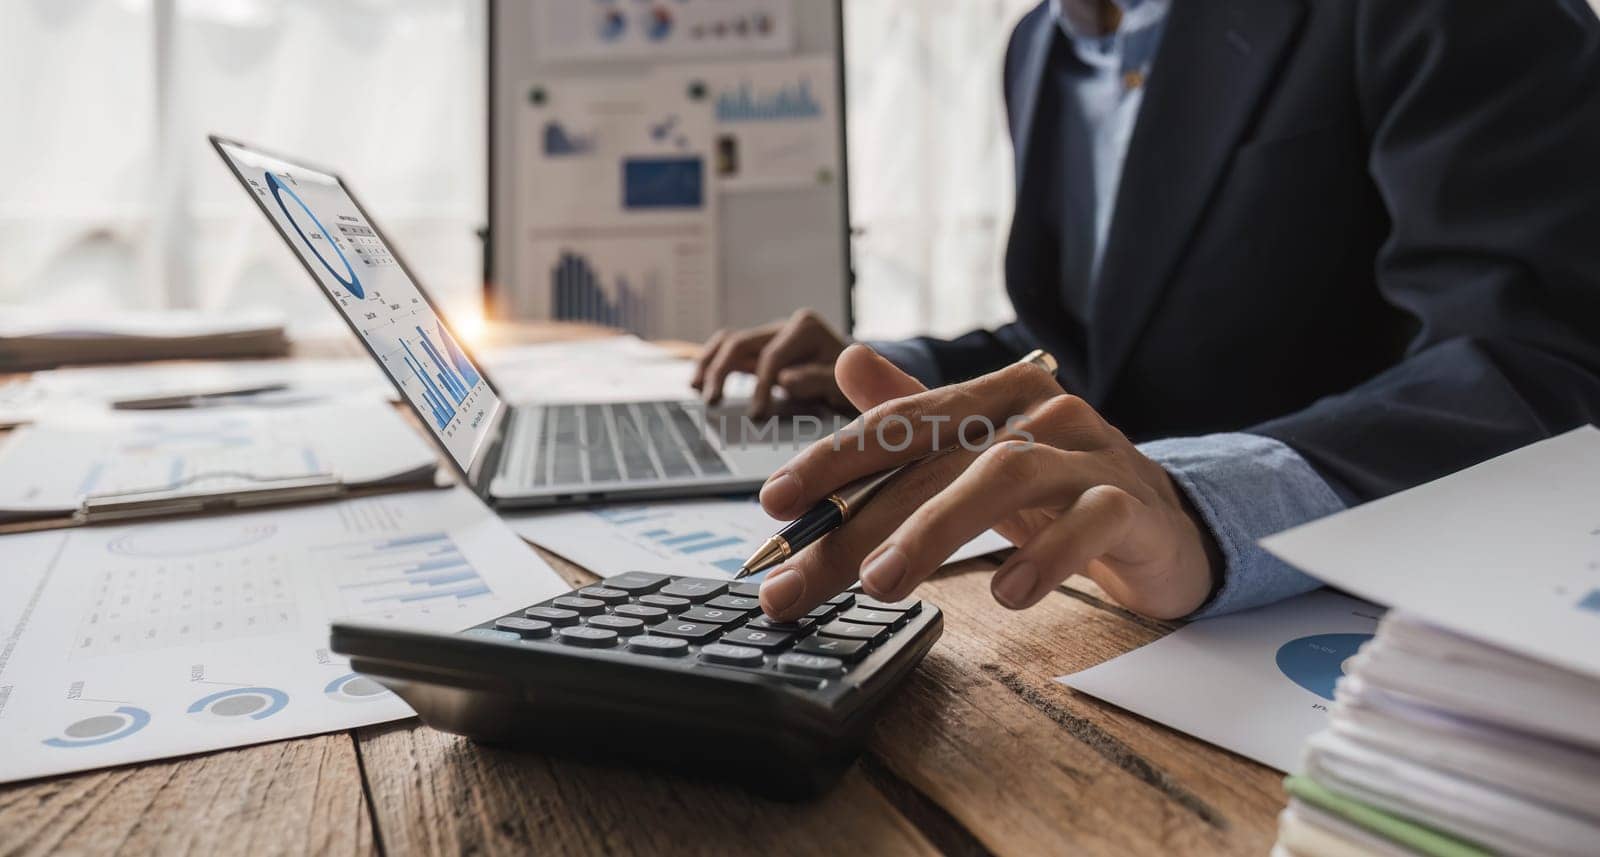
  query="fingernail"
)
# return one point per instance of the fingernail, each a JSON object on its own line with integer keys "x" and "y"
{"x": 1012, "y": 586}
{"x": 781, "y": 493}
{"x": 883, "y": 573}
{"x": 782, "y": 590}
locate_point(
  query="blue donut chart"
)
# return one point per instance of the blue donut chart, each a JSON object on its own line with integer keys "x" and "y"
{"x": 275, "y": 700}
{"x": 349, "y": 280}
{"x": 134, "y": 719}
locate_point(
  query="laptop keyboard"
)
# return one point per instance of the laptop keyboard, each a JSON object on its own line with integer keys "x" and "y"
{"x": 607, "y": 443}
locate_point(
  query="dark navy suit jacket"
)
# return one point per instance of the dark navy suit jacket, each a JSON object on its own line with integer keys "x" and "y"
{"x": 1369, "y": 229}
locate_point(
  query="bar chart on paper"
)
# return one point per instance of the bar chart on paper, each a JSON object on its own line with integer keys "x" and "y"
{"x": 684, "y": 535}
{"x": 423, "y": 573}
{"x": 704, "y": 538}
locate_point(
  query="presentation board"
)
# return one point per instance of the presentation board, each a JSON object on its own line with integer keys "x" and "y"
{"x": 668, "y": 167}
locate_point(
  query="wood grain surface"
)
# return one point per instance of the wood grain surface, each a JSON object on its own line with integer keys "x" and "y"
{"x": 980, "y": 752}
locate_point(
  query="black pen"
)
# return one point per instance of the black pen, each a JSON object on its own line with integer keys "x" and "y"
{"x": 840, "y": 506}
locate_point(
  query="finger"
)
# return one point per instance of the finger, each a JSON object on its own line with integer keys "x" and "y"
{"x": 789, "y": 347}
{"x": 825, "y": 568}
{"x": 810, "y": 382}
{"x": 1096, "y": 525}
{"x": 869, "y": 379}
{"x": 1005, "y": 479}
{"x": 736, "y": 354}
{"x": 909, "y": 428}
{"x": 707, "y": 352}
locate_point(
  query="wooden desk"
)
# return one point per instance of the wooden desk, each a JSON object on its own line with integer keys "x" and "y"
{"x": 979, "y": 752}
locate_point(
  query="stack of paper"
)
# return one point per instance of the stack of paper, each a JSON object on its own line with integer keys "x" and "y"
{"x": 1484, "y": 750}
{"x": 1470, "y": 723}
{"x": 40, "y": 339}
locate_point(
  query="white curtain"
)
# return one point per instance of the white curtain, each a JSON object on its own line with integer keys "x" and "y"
{"x": 930, "y": 162}
{"x": 391, "y": 92}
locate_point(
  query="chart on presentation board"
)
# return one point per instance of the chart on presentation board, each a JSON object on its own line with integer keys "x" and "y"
{"x": 359, "y": 271}
{"x": 615, "y": 29}
{"x": 141, "y": 642}
{"x": 621, "y": 215}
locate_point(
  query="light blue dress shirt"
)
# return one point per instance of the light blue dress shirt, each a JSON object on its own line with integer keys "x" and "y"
{"x": 1245, "y": 486}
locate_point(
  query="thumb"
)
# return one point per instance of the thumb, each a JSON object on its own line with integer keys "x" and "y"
{"x": 868, "y": 379}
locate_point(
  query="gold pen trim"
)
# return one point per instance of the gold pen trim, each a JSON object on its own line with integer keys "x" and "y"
{"x": 841, "y": 504}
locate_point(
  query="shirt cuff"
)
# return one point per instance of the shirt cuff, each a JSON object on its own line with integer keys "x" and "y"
{"x": 1247, "y": 487}
{"x": 913, "y": 357}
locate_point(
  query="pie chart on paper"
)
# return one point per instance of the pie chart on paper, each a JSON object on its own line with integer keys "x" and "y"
{"x": 1316, "y": 662}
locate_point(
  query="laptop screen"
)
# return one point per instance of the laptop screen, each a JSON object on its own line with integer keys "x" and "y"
{"x": 354, "y": 265}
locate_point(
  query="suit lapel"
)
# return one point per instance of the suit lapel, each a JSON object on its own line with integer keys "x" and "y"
{"x": 1029, "y": 83}
{"x": 1216, "y": 61}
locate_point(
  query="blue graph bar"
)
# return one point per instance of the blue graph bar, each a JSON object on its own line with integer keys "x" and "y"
{"x": 731, "y": 566}
{"x": 656, "y": 534}
{"x": 412, "y": 540}
{"x": 435, "y": 565}
{"x": 455, "y": 390}
{"x": 691, "y": 537}
{"x": 443, "y": 413}
{"x": 458, "y": 358}
{"x": 713, "y": 545}
{"x": 442, "y": 579}
{"x": 447, "y": 375}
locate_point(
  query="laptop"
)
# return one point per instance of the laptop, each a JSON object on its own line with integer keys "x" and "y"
{"x": 511, "y": 455}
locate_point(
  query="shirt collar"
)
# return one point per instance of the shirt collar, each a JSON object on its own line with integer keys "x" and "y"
{"x": 1067, "y": 26}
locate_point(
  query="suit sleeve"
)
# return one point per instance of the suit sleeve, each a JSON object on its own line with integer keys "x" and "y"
{"x": 1484, "y": 120}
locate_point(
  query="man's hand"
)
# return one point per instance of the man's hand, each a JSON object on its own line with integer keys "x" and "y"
{"x": 796, "y": 355}
{"x": 1068, "y": 489}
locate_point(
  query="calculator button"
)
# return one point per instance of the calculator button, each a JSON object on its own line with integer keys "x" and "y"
{"x": 524, "y": 627}
{"x": 587, "y": 637}
{"x": 908, "y": 606}
{"x": 639, "y": 611}
{"x": 581, "y": 606}
{"x": 492, "y": 635}
{"x": 822, "y": 611}
{"x": 757, "y": 638}
{"x": 744, "y": 589}
{"x": 735, "y": 602}
{"x": 739, "y": 656}
{"x": 600, "y": 593}
{"x": 554, "y": 615}
{"x": 765, "y": 623}
{"x": 852, "y": 631}
{"x": 713, "y": 615}
{"x": 692, "y": 631}
{"x": 848, "y": 651}
{"x": 863, "y": 616}
{"x": 843, "y": 599}
{"x": 668, "y": 603}
{"x": 636, "y": 582}
{"x": 695, "y": 590}
{"x": 818, "y": 665}
{"x": 645, "y": 644}
{"x": 620, "y": 624}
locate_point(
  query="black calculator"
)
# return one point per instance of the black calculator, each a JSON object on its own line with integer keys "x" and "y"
{"x": 679, "y": 673}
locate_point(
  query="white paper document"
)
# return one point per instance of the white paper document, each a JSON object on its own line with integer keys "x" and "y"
{"x": 1258, "y": 683}
{"x": 131, "y": 643}
{"x": 342, "y": 378}
{"x": 1507, "y": 552}
{"x": 704, "y": 538}
{"x": 52, "y": 466}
